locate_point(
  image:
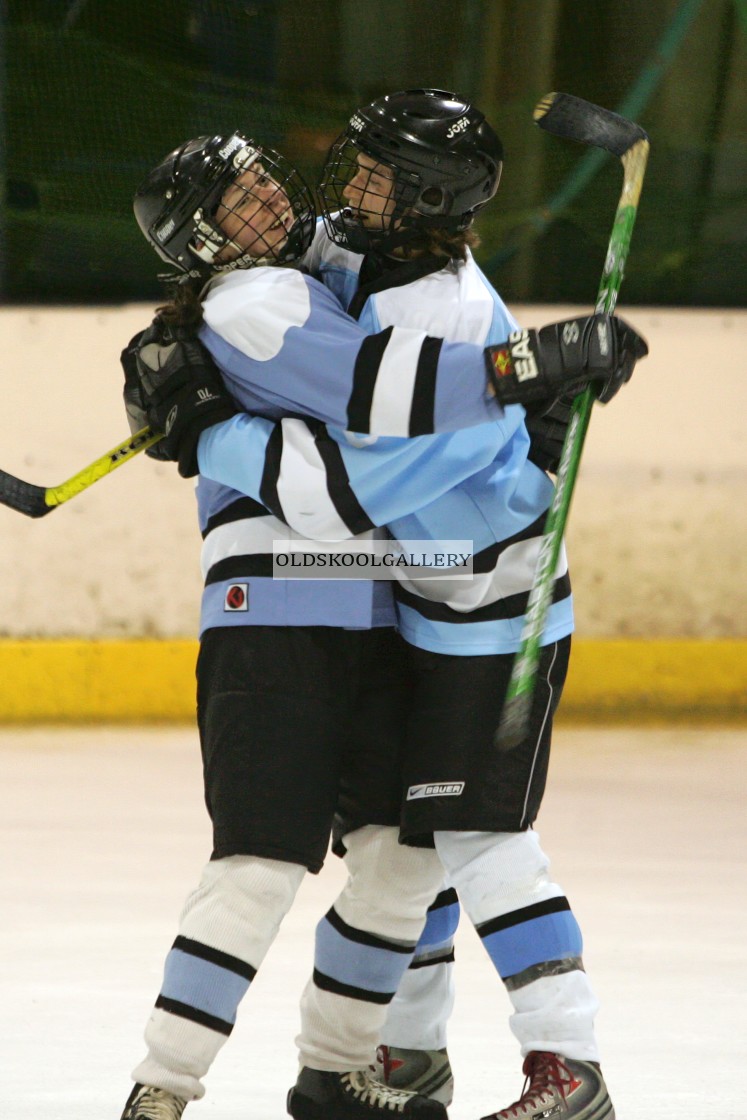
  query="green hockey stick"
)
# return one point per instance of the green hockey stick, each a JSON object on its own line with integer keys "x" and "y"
{"x": 36, "y": 501}
{"x": 571, "y": 117}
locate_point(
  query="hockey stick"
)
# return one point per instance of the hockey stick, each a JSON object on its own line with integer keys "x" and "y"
{"x": 570, "y": 117}
{"x": 36, "y": 501}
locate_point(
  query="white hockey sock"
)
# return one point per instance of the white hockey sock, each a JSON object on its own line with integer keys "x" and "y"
{"x": 530, "y": 934}
{"x": 363, "y": 947}
{"x": 227, "y": 925}
{"x": 418, "y": 1015}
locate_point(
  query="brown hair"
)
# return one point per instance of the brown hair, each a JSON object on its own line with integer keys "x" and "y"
{"x": 184, "y": 308}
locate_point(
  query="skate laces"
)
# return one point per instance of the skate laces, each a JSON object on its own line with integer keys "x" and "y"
{"x": 374, "y": 1094}
{"x": 388, "y": 1063}
{"x": 156, "y": 1104}
{"x": 546, "y": 1075}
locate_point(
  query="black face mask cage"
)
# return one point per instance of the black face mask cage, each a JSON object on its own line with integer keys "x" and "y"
{"x": 279, "y": 211}
{"x": 179, "y": 207}
{"x": 362, "y": 228}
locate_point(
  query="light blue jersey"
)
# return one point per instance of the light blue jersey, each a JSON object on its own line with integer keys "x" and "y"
{"x": 358, "y": 472}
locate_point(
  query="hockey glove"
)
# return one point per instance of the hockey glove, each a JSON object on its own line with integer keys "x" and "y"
{"x": 135, "y": 405}
{"x": 180, "y": 388}
{"x": 547, "y": 429}
{"x": 563, "y": 358}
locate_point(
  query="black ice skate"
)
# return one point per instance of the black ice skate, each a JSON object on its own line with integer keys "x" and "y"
{"x": 562, "y": 1088}
{"x": 147, "y": 1103}
{"x": 319, "y": 1095}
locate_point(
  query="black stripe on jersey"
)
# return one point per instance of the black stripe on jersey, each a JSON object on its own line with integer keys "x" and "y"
{"x": 444, "y": 898}
{"x": 241, "y": 510}
{"x": 423, "y": 409}
{"x": 215, "y": 956}
{"x": 364, "y": 380}
{"x": 184, "y": 1011}
{"x": 251, "y": 566}
{"x": 441, "y": 958}
{"x": 327, "y": 984}
{"x": 513, "y": 606}
{"x": 362, "y": 937}
{"x": 268, "y": 490}
{"x": 338, "y": 484}
{"x": 485, "y": 560}
{"x": 525, "y": 914}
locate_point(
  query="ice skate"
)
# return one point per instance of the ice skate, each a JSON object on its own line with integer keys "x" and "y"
{"x": 562, "y": 1088}
{"x": 319, "y": 1095}
{"x": 427, "y": 1072}
{"x": 147, "y": 1103}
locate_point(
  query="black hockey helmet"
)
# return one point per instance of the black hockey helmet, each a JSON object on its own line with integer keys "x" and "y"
{"x": 176, "y": 205}
{"x": 445, "y": 158}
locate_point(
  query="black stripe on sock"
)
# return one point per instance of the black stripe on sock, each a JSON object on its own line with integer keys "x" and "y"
{"x": 215, "y": 956}
{"x": 444, "y": 898}
{"x": 184, "y": 1011}
{"x": 362, "y": 937}
{"x": 364, "y": 380}
{"x": 327, "y": 984}
{"x": 442, "y": 958}
{"x": 526, "y": 914}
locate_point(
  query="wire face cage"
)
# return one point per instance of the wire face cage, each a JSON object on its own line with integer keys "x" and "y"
{"x": 218, "y": 203}
{"x": 362, "y": 198}
{"x": 261, "y": 213}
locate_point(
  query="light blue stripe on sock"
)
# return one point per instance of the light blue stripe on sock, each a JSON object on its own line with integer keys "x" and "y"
{"x": 205, "y": 986}
{"x": 550, "y": 937}
{"x": 361, "y": 966}
{"x": 440, "y": 927}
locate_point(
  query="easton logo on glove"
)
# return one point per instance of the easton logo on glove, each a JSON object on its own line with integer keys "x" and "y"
{"x": 515, "y": 358}
{"x": 522, "y": 356}
{"x": 563, "y": 358}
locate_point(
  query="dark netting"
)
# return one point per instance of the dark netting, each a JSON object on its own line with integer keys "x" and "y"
{"x": 96, "y": 92}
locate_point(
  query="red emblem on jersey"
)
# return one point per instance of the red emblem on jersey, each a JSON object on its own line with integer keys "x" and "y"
{"x": 237, "y": 598}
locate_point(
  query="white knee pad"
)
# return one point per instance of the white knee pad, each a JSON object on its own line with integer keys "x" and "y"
{"x": 390, "y": 885}
{"x": 496, "y": 872}
{"x": 240, "y": 903}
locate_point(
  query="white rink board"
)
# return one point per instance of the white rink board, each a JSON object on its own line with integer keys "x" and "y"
{"x": 657, "y": 537}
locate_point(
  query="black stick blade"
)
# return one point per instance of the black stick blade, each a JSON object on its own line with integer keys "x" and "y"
{"x": 562, "y": 114}
{"x": 23, "y": 496}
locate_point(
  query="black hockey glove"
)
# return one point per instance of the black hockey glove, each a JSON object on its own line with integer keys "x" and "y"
{"x": 173, "y": 381}
{"x": 563, "y": 358}
{"x": 547, "y": 427}
{"x": 135, "y": 405}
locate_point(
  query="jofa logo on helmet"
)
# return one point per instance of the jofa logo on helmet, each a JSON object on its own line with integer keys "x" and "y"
{"x": 460, "y": 126}
{"x": 357, "y": 123}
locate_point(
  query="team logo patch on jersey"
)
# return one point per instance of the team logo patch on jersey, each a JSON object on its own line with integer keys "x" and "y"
{"x": 237, "y": 597}
{"x": 435, "y": 789}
